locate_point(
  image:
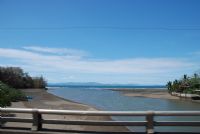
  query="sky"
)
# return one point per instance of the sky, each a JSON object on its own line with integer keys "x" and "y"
{"x": 108, "y": 41}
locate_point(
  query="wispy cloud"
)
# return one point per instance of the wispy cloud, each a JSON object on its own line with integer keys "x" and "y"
{"x": 58, "y": 51}
{"x": 63, "y": 64}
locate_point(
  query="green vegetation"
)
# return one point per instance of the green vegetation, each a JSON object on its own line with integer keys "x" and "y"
{"x": 185, "y": 85}
{"x": 16, "y": 78}
{"x": 8, "y": 95}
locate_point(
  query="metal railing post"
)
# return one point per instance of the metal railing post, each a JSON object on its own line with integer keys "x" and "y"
{"x": 37, "y": 120}
{"x": 150, "y": 122}
{"x": 1, "y": 123}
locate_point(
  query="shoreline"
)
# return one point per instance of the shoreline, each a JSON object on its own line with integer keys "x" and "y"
{"x": 44, "y": 100}
{"x": 155, "y": 93}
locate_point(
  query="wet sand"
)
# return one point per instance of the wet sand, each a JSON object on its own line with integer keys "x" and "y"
{"x": 148, "y": 93}
{"x": 44, "y": 100}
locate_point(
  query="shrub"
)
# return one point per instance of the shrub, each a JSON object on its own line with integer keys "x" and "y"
{"x": 8, "y": 94}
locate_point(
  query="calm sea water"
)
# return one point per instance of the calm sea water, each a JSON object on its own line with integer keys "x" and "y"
{"x": 114, "y": 100}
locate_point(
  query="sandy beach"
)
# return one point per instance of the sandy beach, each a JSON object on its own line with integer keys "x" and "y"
{"x": 148, "y": 93}
{"x": 44, "y": 100}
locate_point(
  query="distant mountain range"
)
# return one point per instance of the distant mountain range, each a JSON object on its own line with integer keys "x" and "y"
{"x": 99, "y": 84}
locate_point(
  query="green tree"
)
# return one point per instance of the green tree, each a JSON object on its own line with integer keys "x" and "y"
{"x": 169, "y": 87}
{"x": 186, "y": 84}
{"x": 16, "y": 78}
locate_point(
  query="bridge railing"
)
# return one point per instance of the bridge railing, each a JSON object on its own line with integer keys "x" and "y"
{"x": 149, "y": 122}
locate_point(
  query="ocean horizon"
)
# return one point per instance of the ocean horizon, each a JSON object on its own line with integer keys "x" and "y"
{"x": 110, "y": 86}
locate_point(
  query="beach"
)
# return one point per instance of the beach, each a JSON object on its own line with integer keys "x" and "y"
{"x": 44, "y": 100}
{"x": 148, "y": 93}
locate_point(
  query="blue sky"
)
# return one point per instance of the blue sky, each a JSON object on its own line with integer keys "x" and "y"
{"x": 107, "y": 41}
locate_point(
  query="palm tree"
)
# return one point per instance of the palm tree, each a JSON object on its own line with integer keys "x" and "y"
{"x": 185, "y": 78}
{"x": 196, "y": 75}
{"x": 169, "y": 86}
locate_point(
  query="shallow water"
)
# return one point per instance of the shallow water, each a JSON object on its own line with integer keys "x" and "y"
{"x": 114, "y": 100}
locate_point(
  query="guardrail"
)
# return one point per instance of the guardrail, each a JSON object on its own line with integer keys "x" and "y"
{"x": 37, "y": 120}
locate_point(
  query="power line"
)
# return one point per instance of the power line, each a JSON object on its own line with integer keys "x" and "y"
{"x": 105, "y": 28}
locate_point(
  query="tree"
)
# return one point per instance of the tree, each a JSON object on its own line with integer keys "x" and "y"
{"x": 169, "y": 86}
{"x": 39, "y": 82}
{"x": 195, "y": 81}
{"x": 186, "y": 84}
{"x": 185, "y": 78}
{"x": 16, "y": 78}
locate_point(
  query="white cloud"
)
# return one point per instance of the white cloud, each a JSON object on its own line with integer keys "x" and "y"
{"x": 44, "y": 63}
{"x": 58, "y": 51}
